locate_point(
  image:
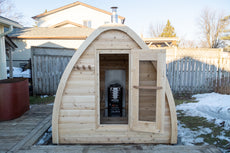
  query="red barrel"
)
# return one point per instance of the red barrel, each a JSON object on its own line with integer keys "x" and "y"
{"x": 14, "y": 98}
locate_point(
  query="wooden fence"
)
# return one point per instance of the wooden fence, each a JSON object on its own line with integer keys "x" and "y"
{"x": 189, "y": 71}
{"x": 48, "y": 64}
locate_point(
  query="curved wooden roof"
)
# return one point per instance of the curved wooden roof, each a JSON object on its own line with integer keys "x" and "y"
{"x": 76, "y": 57}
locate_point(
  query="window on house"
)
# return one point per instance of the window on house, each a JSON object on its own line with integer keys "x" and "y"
{"x": 87, "y": 23}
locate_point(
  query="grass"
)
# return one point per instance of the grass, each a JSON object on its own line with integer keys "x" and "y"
{"x": 185, "y": 101}
{"x": 196, "y": 123}
{"x": 41, "y": 100}
{"x": 192, "y": 122}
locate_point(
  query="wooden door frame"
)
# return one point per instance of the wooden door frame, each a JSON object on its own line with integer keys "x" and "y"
{"x": 108, "y": 127}
{"x": 135, "y": 123}
{"x": 159, "y": 124}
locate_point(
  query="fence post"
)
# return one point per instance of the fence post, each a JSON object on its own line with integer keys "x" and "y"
{"x": 219, "y": 71}
{"x": 32, "y": 69}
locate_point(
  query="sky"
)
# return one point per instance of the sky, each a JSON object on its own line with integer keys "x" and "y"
{"x": 140, "y": 14}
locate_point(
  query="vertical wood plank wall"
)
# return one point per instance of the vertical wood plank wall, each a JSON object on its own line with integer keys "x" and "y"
{"x": 189, "y": 71}
{"x": 48, "y": 64}
{"x": 77, "y": 122}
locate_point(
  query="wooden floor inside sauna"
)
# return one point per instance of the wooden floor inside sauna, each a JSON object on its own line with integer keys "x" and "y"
{"x": 114, "y": 120}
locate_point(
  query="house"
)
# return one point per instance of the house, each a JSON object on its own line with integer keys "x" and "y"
{"x": 114, "y": 90}
{"x": 10, "y": 47}
{"x": 64, "y": 27}
{"x": 9, "y": 24}
{"x": 75, "y": 14}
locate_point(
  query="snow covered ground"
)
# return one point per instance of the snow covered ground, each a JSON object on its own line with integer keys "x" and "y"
{"x": 18, "y": 73}
{"x": 212, "y": 106}
{"x": 46, "y": 137}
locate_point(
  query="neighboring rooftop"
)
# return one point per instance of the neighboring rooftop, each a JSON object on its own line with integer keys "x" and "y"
{"x": 72, "y": 5}
{"x": 67, "y": 22}
{"x": 52, "y": 33}
{"x": 161, "y": 41}
{"x": 7, "y": 22}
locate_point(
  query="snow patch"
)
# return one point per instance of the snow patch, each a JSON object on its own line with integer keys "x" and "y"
{"x": 213, "y": 106}
{"x": 189, "y": 137}
{"x": 26, "y": 74}
{"x": 46, "y": 137}
{"x": 19, "y": 73}
{"x": 44, "y": 96}
{"x": 199, "y": 140}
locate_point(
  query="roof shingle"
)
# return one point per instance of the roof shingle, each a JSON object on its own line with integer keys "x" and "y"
{"x": 52, "y": 33}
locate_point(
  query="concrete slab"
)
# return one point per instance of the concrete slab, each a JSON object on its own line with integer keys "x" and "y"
{"x": 140, "y": 148}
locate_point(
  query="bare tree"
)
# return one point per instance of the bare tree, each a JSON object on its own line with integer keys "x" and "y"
{"x": 155, "y": 31}
{"x": 184, "y": 43}
{"x": 212, "y": 25}
{"x": 7, "y": 9}
{"x": 1, "y": 5}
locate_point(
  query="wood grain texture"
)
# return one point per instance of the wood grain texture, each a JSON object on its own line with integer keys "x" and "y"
{"x": 192, "y": 71}
{"x": 76, "y": 108}
{"x": 48, "y": 64}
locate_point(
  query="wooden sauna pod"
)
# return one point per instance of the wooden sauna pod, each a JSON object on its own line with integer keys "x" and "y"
{"x": 114, "y": 90}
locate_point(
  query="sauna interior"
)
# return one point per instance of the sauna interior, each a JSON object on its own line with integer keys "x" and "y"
{"x": 114, "y": 89}
{"x": 114, "y": 84}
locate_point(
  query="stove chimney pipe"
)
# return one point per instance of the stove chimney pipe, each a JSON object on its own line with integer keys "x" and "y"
{"x": 114, "y": 16}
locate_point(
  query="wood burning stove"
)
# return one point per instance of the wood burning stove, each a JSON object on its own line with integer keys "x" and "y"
{"x": 115, "y": 100}
{"x": 115, "y": 79}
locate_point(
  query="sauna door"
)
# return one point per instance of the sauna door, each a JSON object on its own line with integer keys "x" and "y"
{"x": 147, "y": 90}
